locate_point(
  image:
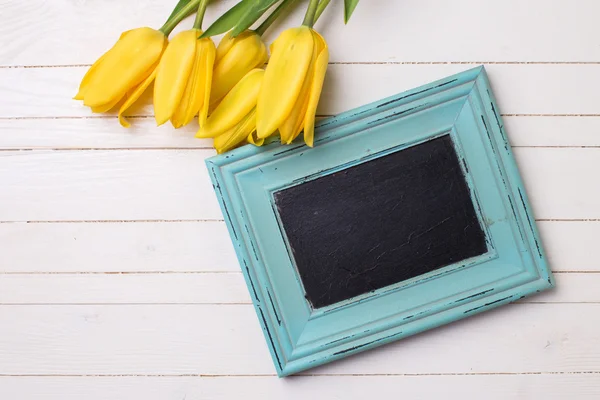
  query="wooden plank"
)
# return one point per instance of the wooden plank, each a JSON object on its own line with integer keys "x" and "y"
{"x": 467, "y": 387}
{"x": 203, "y": 246}
{"x": 571, "y": 245}
{"x": 102, "y": 133}
{"x": 510, "y": 31}
{"x": 112, "y": 185}
{"x": 208, "y": 288}
{"x": 174, "y": 184}
{"x": 227, "y": 340}
{"x": 555, "y": 182}
{"x": 203, "y": 288}
{"x": 526, "y": 131}
{"x": 571, "y": 288}
{"x": 519, "y": 88}
{"x": 95, "y": 133}
{"x": 117, "y": 247}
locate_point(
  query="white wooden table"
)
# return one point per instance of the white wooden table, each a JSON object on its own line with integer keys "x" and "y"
{"x": 117, "y": 276}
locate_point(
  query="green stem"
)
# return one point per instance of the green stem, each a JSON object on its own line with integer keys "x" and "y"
{"x": 168, "y": 27}
{"x": 200, "y": 14}
{"x": 274, "y": 15}
{"x": 309, "y": 18}
{"x": 322, "y": 5}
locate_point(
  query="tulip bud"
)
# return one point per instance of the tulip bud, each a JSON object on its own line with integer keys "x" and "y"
{"x": 292, "y": 85}
{"x": 124, "y": 68}
{"x": 183, "y": 79}
{"x": 234, "y": 119}
{"x": 235, "y": 58}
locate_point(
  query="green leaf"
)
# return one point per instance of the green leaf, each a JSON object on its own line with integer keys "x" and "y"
{"x": 178, "y": 7}
{"x": 349, "y": 6}
{"x": 228, "y": 20}
{"x": 253, "y": 13}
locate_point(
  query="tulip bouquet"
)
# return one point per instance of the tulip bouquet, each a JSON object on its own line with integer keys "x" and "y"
{"x": 235, "y": 98}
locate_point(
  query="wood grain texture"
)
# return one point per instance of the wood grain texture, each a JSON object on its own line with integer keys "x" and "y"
{"x": 96, "y": 133}
{"x": 174, "y": 185}
{"x": 548, "y": 55}
{"x": 227, "y": 340}
{"x": 111, "y": 185}
{"x": 201, "y": 288}
{"x": 469, "y": 387}
{"x": 117, "y": 247}
{"x": 571, "y": 245}
{"x": 203, "y": 247}
{"x": 102, "y": 133}
{"x": 549, "y": 173}
{"x": 517, "y": 32}
{"x": 48, "y": 92}
{"x": 552, "y": 131}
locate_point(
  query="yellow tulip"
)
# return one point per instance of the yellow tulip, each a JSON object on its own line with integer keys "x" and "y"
{"x": 235, "y": 58}
{"x": 183, "y": 79}
{"x": 123, "y": 70}
{"x": 292, "y": 85}
{"x": 234, "y": 119}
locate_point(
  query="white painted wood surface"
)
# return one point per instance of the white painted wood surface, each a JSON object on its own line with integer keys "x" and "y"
{"x": 117, "y": 277}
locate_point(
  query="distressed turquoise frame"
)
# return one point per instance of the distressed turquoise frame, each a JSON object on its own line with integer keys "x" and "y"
{"x": 300, "y": 337}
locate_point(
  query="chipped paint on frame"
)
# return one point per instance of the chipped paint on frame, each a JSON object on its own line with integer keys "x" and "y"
{"x": 300, "y": 337}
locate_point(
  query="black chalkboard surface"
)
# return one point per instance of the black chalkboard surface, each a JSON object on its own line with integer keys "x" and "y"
{"x": 380, "y": 222}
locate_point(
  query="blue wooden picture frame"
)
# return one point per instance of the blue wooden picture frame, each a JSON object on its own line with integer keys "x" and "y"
{"x": 300, "y": 337}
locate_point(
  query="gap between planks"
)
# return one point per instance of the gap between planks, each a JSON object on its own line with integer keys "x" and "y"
{"x": 118, "y": 221}
{"x": 191, "y": 272}
{"x": 104, "y": 116}
{"x": 122, "y": 272}
{"x": 297, "y": 375}
{"x": 208, "y": 220}
{"x": 17, "y": 149}
{"x": 368, "y": 63}
{"x": 237, "y": 304}
{"x": 211, "y": 304}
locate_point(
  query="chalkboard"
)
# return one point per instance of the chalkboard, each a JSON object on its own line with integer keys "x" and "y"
{"x": 380, "y": 222}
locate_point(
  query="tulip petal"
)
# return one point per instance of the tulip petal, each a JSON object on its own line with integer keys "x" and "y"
{"x": 255, "y": 140}
{"x": 133, "y": 97}
{"x": 90, "y": 73}
{"x": 197, "y": 90}
{"x": 237, "y": 134}
{"x": 284, "y": 77}
{"x": 244, "y": 53}
{"x": 209, "y": 62}
{"x": 173, "y": 73}
{"x": 88, "y": 77}
{"x": 235, "y": 106}
{"x": 125, "y": 34}
{"x": 292, "y": 126}
{"x": 224, "y": 46}
{"x": 124, "y": 66}
{"x": 105, "y": 107}
{"x": 315, "y": 92}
